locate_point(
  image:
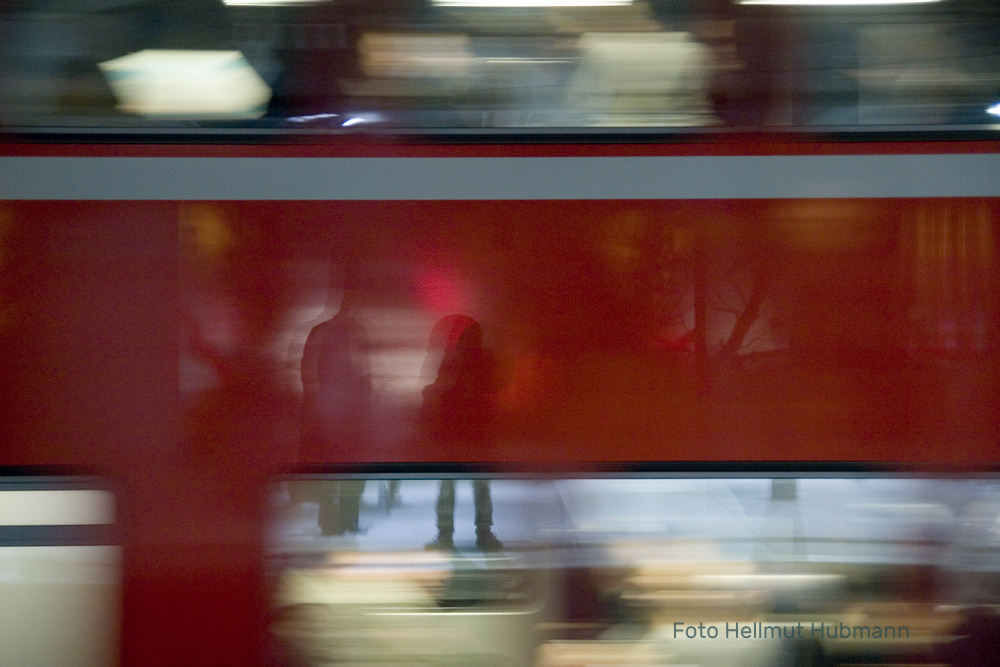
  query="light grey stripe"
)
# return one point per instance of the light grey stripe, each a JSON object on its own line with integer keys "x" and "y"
{"x": 109, "y": 178}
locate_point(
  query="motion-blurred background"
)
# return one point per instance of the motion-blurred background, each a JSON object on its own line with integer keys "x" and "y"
{"x": 322, "y": 65}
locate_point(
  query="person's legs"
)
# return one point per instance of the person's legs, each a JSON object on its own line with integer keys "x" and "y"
{"x": 393, "y": 499}
{"x": 351, "y": 491}
{"x": 331, "y": 520}
{"x": 484, "y": 504}
{"x": 445, "y": 515}
{"x": 485, "y": 539}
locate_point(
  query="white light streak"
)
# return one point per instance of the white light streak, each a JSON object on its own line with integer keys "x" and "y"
{"x": 362, "y": 118}
{"x": 309, "y": 119}
{"x": 270, "y": 3}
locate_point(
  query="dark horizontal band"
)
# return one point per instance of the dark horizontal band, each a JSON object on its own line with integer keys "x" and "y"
{"x": 57, "y": 536}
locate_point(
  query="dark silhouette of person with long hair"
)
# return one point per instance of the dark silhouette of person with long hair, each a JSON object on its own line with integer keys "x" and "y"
{"x": 458, "y": 411}
{"x": 336, "y": 384}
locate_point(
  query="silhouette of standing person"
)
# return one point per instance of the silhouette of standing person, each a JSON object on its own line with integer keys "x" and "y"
{"x": 336, "y": 382}
{"x": 458, "y": 410}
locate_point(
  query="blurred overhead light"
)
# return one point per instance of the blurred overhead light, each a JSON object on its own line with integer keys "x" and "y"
{"x": 995, "y": 110}
{"x": 834, "y": 3}
{"x": 187, "y": 85}
{"x": 531, "y": 3}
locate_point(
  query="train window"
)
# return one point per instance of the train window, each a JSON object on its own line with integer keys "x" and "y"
{"x": 60, "y": 572}
{"x": 788, "y": 329}
{"x": 654, "y": 568}
{"x": 241, "y": 68}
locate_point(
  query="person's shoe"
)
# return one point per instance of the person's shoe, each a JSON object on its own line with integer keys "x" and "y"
{"x": 441, "y": 543}
{"x": 486, "y": 541}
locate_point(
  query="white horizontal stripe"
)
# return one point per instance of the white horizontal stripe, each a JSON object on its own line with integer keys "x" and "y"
{"x": 739, "y": 177}
{"x": 59, "y": 565}
{"x": 56, "y": 508}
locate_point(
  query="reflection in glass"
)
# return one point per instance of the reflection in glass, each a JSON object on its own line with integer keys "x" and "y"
{"x": 647, "y": 570}
{"x": 807, "y": 329}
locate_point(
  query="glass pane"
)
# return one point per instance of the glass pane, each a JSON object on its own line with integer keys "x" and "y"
{"x": 641, "y": 569}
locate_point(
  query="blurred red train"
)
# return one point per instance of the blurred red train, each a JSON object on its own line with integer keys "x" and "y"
{"x": 778, "y": 302}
